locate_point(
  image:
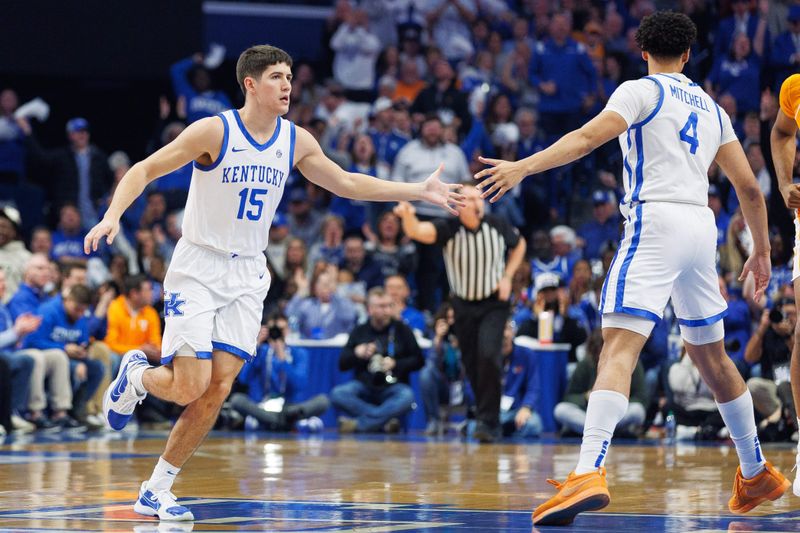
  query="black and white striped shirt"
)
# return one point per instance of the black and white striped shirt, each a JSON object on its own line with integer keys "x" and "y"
{"x": 475, "y": 260}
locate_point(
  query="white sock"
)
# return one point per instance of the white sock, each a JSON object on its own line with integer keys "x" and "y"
{"x": 135, "y": 377}
{"x": 739, "y": 416}
{"x": 606, "y": 408}
{"x": 163, "y": 476}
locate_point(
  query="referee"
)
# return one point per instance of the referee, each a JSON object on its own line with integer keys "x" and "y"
{"x": 475, "y": 247}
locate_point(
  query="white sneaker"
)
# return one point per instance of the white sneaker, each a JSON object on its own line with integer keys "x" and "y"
{"x": 121, "y": 398}
{"x": 21, "y": 425}
{"x": 796, "y": 485}
{"x": 161, "y": 504}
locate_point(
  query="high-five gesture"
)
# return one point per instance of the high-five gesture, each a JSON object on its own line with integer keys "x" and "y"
{"x": 443, "y": 194}
{"x": 499, "y": 178}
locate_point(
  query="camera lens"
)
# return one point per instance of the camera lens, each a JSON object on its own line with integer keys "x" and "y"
{"x": 776, "y": 316}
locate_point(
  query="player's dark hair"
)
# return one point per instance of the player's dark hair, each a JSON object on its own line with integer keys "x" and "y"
{"x": 256, "y": 59}
{"x": 666, "y": 34}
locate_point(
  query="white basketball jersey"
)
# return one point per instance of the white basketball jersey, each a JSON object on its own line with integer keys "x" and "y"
{"x": 675, "y": 130}
{"x": 232, "y": 202}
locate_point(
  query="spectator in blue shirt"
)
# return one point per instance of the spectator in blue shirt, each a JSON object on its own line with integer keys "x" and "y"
{"x": 277, "y": 381}
{"x": 603, "y": 228}
{"x": 358, "y": 263}
{"x": 191, "y": 80}
{"x": 397, "y": 288}
{"x": 357, "y": 212}
{"x": 741, "y": 22}
{"x": 330, "y": 249}
{"x": 30, "y": 294}
{"x": 20, "y": 364}
{"x": 737, "y": 323}
{"x": 563, "y": 72}
{"x": 68, "y": 238}
{"x": 323, "y": 315}
{"x": 386, "y": 139}
{"x": 520, "y": 400}
{"x": 785, "y": 56}
{"x": 65, "y": 327}
{"x": 559, "y": 257}
{"x": 720, "y": 216}
{"x": 738, "y": 73}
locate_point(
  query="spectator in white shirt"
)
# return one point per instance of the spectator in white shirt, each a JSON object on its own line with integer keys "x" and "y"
{"x": 357, "y": 50}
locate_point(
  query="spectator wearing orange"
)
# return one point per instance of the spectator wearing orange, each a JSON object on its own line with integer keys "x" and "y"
{"x": 133, "y": 324}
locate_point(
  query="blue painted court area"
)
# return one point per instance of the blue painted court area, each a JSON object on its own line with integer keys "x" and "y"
{"x": 254, "y": 515}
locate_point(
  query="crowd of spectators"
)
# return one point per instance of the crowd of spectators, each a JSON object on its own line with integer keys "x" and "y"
{"x": 414, "y": 84}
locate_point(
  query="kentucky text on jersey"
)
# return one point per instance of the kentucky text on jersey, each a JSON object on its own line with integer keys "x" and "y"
{"x": 689, "y": 98}
{"x": 252, "y": 174}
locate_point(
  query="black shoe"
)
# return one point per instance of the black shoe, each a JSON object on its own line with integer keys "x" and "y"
{"x": 67, "y": 423}
{"x": 485, "y": 434}
{"x": 44, "y": 424}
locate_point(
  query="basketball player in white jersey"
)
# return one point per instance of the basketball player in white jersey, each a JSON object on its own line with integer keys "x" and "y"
{"x": 670, "y": 132}
{"x": 217, "y": 280}
{"x": 783, "y": 141}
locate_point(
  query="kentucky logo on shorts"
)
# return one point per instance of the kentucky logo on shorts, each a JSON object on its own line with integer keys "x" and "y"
{"x": 172, "y": 304}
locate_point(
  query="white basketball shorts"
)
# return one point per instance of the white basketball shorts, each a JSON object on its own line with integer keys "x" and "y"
{"x": 213, "y": 301}
{"x": 667, "y": 250}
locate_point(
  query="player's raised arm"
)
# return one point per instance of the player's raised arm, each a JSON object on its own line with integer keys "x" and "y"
{"x": 733, "y": 162}
{"x": 200, "y": 140}
{"x": 315, "y": 166}
{"x": 502, "y": 176}
{"x": 783, "y": 143}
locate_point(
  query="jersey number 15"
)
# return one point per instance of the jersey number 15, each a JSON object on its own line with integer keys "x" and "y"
{"x": 253, "y": 197}
{"x": 689, "y": 133}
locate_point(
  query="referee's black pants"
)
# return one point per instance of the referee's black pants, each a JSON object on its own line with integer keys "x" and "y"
{"x": 479, "y": 329}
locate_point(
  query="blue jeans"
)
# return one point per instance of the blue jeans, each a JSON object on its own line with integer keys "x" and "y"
{"x": 82, "y": 391}
{"x": 434, "y": 389}
{"x": 372, "y": 407}
{"x": 21, "y": 367}
{"x": 531, "y": 429}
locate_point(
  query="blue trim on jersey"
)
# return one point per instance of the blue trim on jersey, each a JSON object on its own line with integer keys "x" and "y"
{"x": 691, "y": 83}
{"x": 292, "y": 136}
{"x": 703, "y": 321}
{"x": 719, "y": 116}
{"x": 639, "y": 166}
{"x": 238, "y": 352}
{"x": 623, "y": 271}
{"x": 222, "y": 150}
{"x": 641, "y": 313}
{"x": 628, "y": 165}
{"x": 251, "y": 140}
{"x": 608, "y": 277}
{"x": 200, "y": 355}
{"x": 658, "y": 105}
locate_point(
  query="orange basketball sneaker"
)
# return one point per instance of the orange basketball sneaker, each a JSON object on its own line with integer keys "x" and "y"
{"x": 750, "y": 493}
{"x": 578, "y": 494}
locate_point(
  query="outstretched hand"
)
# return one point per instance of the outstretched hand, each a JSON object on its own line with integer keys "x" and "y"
{"x": 760, "y": 266}
{"x": 499, "y": 178}
{"x": 105, "y": 228}
{"x": 447, "y": 195}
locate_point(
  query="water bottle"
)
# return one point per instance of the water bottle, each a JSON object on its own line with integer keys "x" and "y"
{"x": 546, "y": 327}
{"x": 670, "y": 426}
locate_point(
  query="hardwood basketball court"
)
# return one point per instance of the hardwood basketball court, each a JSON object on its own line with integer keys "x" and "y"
{"x": 263, "y": 482}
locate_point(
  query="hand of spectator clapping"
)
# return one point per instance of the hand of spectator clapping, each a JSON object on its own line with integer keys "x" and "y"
{"x": 26, "y": 323}
{"x": 365, "y": 350}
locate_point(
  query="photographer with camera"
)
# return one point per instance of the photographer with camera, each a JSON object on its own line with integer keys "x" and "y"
{"x": 383, "y": 352}
{"x": 275, "y": 381}
{"x": 771, "y": 346}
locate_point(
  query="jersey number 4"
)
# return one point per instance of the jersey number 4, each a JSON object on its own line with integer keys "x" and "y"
{"x": 689, "y": 133}
{"x": 253, "y": 197}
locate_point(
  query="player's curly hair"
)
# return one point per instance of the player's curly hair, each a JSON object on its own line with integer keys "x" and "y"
{"x": 666, "y": 34}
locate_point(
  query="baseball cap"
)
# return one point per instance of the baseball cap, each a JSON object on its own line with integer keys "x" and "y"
{"x": 381, "y": 104}
{"x": 298, "y": 194}
{"x": 600, "y": 197}
{"x": 12, "y": 214}
{"x": 547, "y": 280}
{"x": 77, "y": 124}
{"x": 279, "y": 221}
